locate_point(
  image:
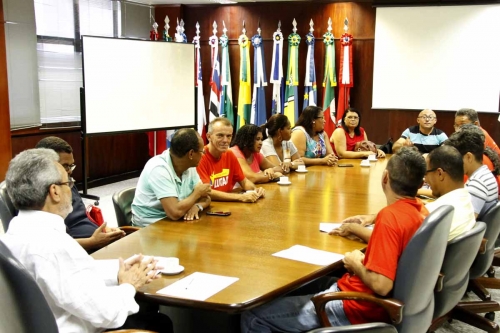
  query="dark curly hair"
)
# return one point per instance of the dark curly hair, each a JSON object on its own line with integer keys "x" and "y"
{"x": 183, "y": 141}
{"x": 357, "y": 131}
{"x": 245, "y": 137}
{"x": 308, "y": 115}
{"x": 275, "y": 123}
{"x": 56, "y": 144}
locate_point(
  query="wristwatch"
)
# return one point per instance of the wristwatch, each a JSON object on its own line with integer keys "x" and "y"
{"x": 200, "y": 207}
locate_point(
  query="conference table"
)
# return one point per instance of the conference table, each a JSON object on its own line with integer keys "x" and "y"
{"x": 241, "y": 245}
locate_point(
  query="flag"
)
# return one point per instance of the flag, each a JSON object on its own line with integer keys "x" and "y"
{"x": 310, "y": 89}
{"x": 329, "y": 83}
{"x": 259, "y": 112}
{"x": 345, "y": 74}
{"x": 276, "y": 77}
{"x": 244, "y": 97}
{"x": 291, "y": 108}
{"x": 198, "y": 82}
{"x": 215, "y": 78}
{"x": 226, "y": 93}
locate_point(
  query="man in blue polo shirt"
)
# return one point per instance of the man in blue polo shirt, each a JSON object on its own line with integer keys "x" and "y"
{"x": 424, "y": 136}
{"x": 169, "y": 185}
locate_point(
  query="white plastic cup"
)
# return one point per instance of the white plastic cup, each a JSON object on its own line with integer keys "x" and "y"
{"x": 301, "y": 167}
{"x": 372, "y": 157}
{"x": 284, "y": 179}
{"x": 170, "y": 264}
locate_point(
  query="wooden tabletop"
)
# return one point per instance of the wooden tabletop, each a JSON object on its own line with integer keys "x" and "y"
{"x": 241, "y": 245}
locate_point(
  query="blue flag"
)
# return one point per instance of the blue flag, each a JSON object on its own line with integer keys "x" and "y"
{"x": 259, "y": 113}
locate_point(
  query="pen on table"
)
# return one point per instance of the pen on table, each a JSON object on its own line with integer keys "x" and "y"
{"x": 192, "y": 279}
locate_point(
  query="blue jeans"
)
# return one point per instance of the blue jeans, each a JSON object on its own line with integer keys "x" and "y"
{"x": 292, "y": 314}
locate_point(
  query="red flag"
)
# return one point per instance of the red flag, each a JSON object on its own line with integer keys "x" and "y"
{"x": 345, "y": 75}
{"x": 157, "y": 142}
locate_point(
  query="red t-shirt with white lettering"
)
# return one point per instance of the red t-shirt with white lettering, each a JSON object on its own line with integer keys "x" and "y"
{"x": 395, "y": 225}
{"x": 222, "y": 174}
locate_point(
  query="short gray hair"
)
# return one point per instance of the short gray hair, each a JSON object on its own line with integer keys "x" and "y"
{"x": 29, "y": 177}
{"x": 469, "y": 113}
{"x": 222, "y": 120}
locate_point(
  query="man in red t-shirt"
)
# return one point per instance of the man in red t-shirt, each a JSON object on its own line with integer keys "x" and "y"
{"x": 373, "y": 272}
{"x": 221, "y": 168}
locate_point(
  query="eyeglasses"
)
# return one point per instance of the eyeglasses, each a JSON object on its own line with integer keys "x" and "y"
{"x": 432, "y": 170}
{"x": 352, "y": 118}
{"x": 70, "y": 183}
{"x": 321, "y": 117}
{"x": 202, "y": 151}
{"x": 69, "y": 167}
{"x": 427, "y": 117}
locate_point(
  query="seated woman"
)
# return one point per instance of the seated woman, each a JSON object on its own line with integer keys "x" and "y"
{"x": 246, "y": 147}
{"x": 276, "y": 148}
{"x": 344, "y": 138}
{"x": 309, "y": 137}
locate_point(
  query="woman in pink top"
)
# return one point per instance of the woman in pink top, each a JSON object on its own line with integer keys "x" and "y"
{"x": 246, "y": 147}
{"x": 344, "y": 138}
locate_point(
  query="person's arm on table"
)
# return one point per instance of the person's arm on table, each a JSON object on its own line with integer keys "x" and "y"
{"x": 101, "y": 237}
{"x": 353, "y": 229}
{"x": 256, "y": 178}
{"x": 339, "y": 141}
{"x": 299, "y": 140}
{"x": 379, "y": 283}
{"x": 176, "y": 209}
{"x": 194, "y": 212}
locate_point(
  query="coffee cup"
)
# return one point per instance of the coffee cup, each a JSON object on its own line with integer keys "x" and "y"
{"x": 365, "y": 163}
{"x": 170, "y": 263}
{"x": 301, "y": 167}
{"x": 372, "y": 157}
{"x": 284, "y": 179}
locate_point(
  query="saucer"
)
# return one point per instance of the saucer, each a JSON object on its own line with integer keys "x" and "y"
{"x": 301, "y": 171}
{"x": 373, "y": 160}
{"x": 282, "y": 183}
{"x": 173, "y": 271}
{"x": 365, "y": 165}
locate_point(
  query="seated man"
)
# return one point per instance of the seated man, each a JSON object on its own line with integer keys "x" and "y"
{"x": 482, "y": 184}
{"x": 373, "y": 272}
{"x": 86, "y": 233}
{"x": 424, "y": 136}
{"x": 83, "y": 294}
{"x": 445, "y": 175}
{"x": 169, "y": 185}
{"x": 469, "y": 116}
{"x": 220, "y": 167}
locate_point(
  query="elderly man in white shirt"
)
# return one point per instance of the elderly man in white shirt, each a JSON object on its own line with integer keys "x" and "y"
{"x": 83, "y": 294}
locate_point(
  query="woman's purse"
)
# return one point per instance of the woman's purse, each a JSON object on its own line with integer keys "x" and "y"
{"x": 94, "y": 214}
{"x": 365, "y": 145}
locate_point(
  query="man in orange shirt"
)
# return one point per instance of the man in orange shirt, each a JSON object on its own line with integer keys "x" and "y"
{"x": 220, "y": 167}
{"x": 373, "y": 272}
{"x": 469, "y": 116}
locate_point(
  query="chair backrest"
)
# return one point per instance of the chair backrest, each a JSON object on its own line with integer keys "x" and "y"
{"x": 122, "y": 201}
{"x": 483, "y": 261}
{"x": 418, "y": 270}
{"x": 7, "y": 209}
{"x": 24, "y": 308}
{"x": 460, "y": 254}
{"x": 361, "y": 328}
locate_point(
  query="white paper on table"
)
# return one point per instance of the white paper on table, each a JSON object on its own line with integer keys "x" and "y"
{"x": 309, "y": 255}
{"x": 327, "y": 227}
{"x": 198, "y": 286}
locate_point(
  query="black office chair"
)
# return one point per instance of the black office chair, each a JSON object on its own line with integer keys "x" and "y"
{"x": 7, "y": 209}
{"x": 122, "y": 201}
{"x": 362, "y": 328}
{"x": 412, "y": 305}
{"x": 460, "y": 254}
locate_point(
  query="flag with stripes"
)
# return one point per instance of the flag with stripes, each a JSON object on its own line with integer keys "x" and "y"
{"x": 291, "y": 109}
{"x": 244, "y": 97}
{"x": 310, "y": 89}
{"x": 345, "y": 74}
{"x": 329, "y": 83}
{"x": 198, "y": 82}
{"x": 214, "y": 78}
{"x": 276, "y": 77}
{"x": 226, "y": 93}
{"x": 259, "y": 112}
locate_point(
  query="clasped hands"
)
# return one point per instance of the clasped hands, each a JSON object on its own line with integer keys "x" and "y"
{"x": 288, "y": 164}
{"x": 345, "y": 230}
{"x": 331, "y": 159}
{"x": 138, "y": 270}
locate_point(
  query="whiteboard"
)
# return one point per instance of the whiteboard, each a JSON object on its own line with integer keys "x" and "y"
{"x": 134, "y": 85}
{"x": 441, "y": 58}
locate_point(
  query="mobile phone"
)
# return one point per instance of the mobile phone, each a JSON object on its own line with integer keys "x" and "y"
{"x": 344, "y": 165}
{"x": 219, "y": 213}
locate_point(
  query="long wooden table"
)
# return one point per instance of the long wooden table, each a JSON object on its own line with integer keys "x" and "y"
{"x": 241, "y": 245}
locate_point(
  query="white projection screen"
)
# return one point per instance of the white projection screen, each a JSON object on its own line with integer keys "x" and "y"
{"x": 134, "y": 85}
{"x": 440, "y": 57}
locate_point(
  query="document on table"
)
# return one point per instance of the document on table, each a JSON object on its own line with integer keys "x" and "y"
{"x": 309, "y": 255}
{"x": 198, "y": 286}
{"x": 327, "y": 227}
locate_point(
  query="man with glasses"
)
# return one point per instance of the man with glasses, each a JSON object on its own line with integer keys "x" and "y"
{"x": 424, "y": 136}
{"x": 445, "y": 175}
{"x": 469, "y": 116}
{"x": 169, "y": 185}
{"x": 87, "y": 234}
{"x": 481, "y": 185}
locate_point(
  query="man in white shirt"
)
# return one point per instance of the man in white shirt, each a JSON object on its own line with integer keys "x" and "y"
{"x": 85, "y": 295}
{"x": 445, "y": 175}
{"x": 482, "y": 184}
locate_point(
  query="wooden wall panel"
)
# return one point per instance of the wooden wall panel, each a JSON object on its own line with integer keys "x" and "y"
{"x": 5, "y": 142}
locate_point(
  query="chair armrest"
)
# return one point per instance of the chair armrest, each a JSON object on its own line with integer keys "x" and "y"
{"x": 439, "y": 283}
{"x": 129, "y": 229}
{"x": 393, "y": 307}
{"x": 482, "y": 247}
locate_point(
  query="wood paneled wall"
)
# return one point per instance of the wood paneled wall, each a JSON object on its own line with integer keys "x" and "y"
{"x": 5, "y": 142}
{"x": 379, "y": 124}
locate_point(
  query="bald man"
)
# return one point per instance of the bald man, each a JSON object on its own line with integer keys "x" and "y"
{"x": 424, "y": 136}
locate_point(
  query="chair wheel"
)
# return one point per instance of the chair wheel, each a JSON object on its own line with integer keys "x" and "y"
{"x": 490, "y": 316}
{"x": 491, "y": 272}
{"x": 96, "y": 203}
